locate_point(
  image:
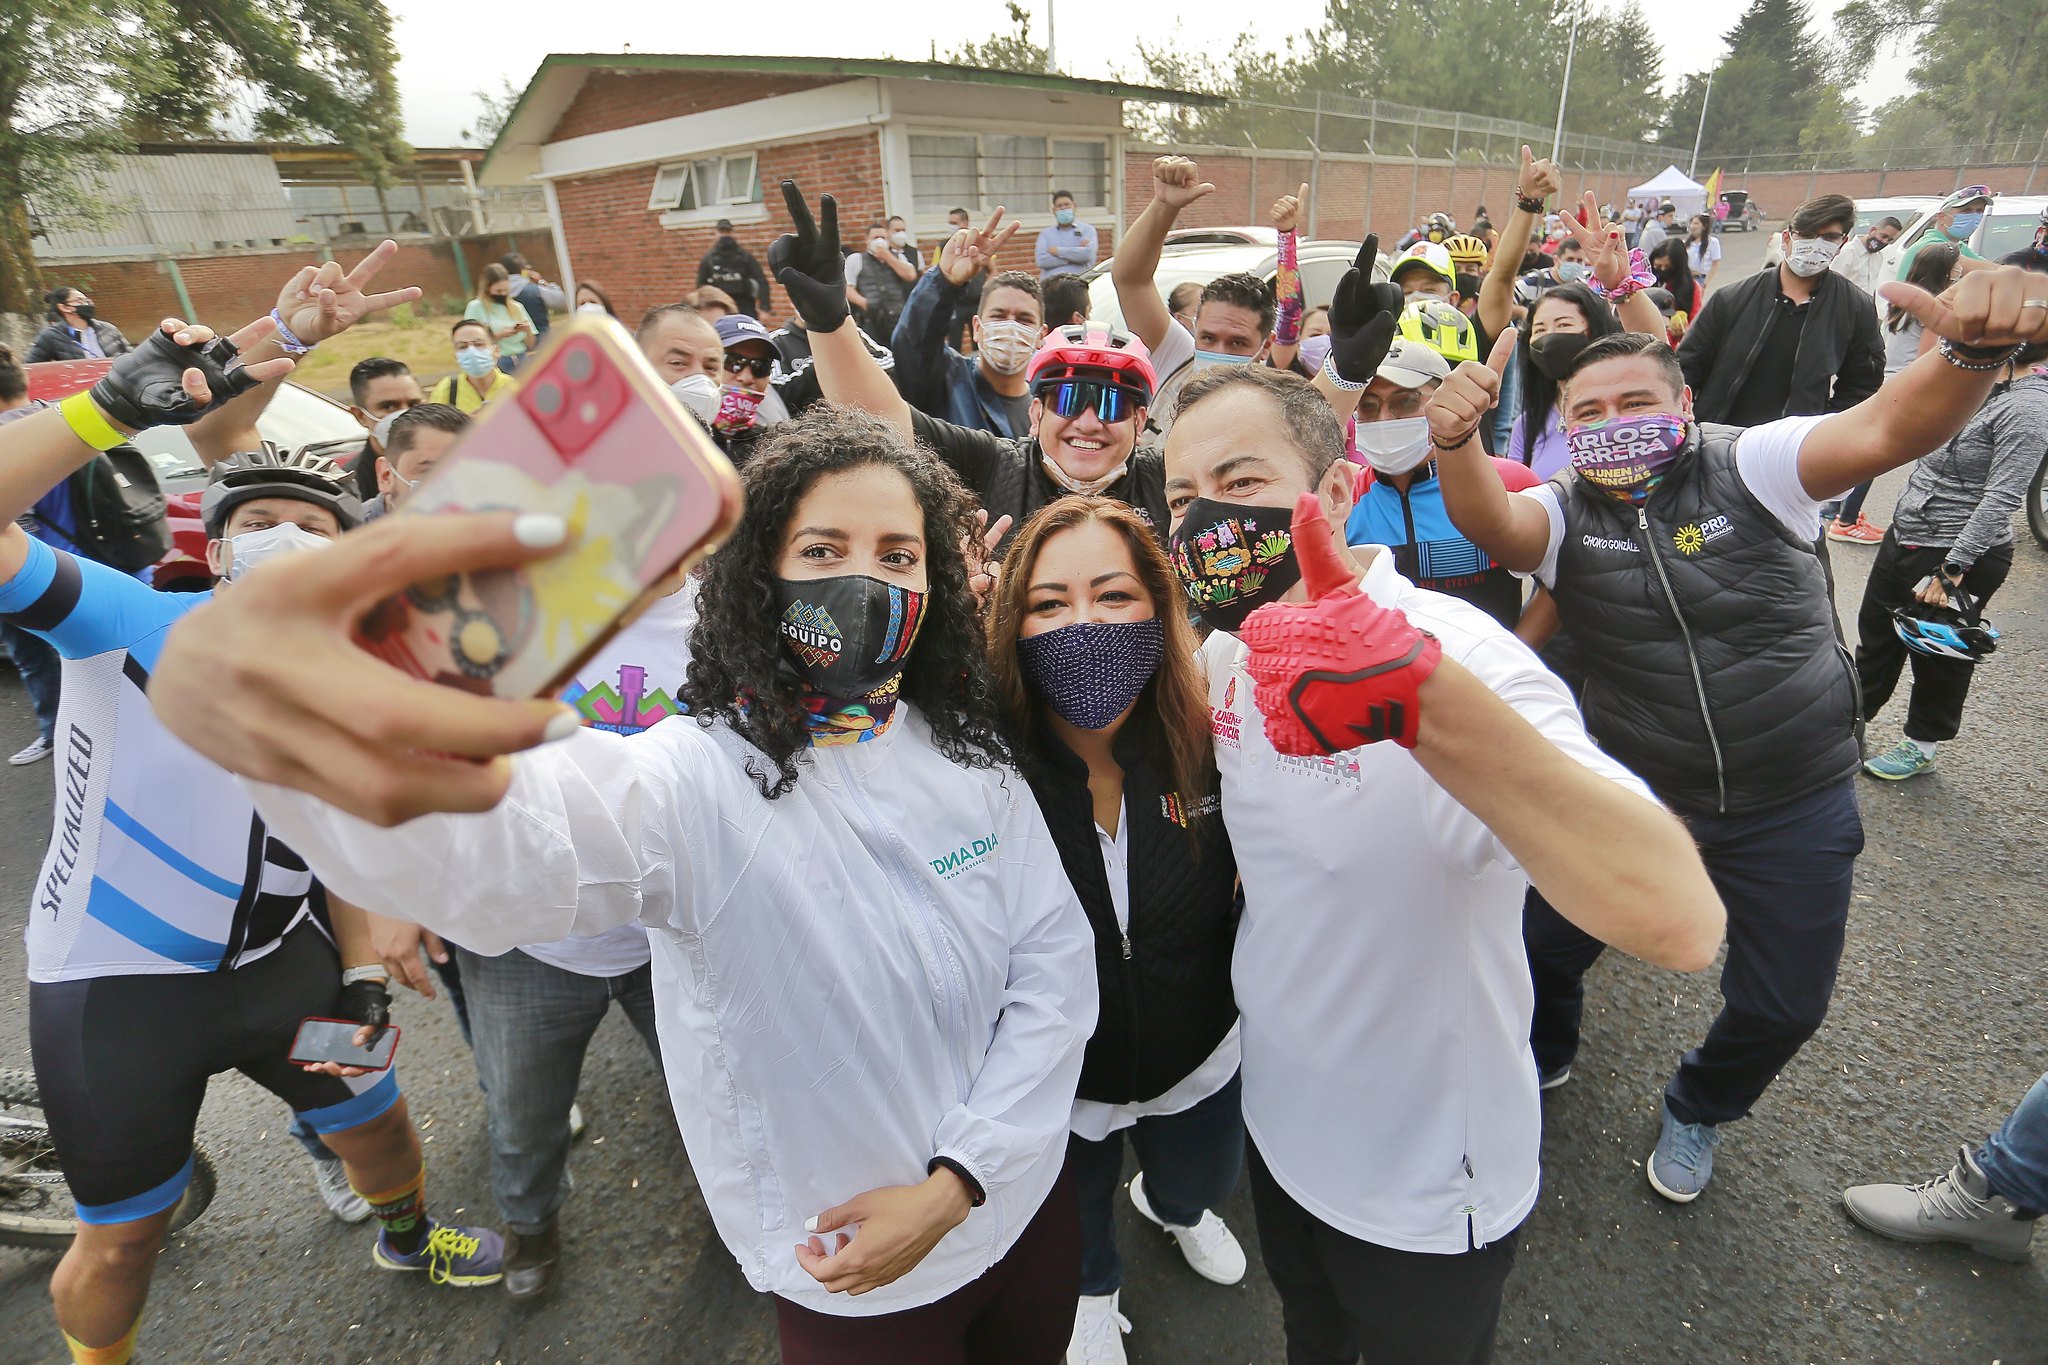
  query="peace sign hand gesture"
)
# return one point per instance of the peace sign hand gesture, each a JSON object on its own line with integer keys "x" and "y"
{"x": 967, "y": 250}
{"x": 321, "y": 301}
{"x": 1606, "y": 248}
{"x": 1338, "y": 670}
{"x": 808, "y": 262}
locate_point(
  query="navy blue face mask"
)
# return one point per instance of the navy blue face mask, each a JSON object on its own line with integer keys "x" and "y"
{"x": 1090, "y": 672}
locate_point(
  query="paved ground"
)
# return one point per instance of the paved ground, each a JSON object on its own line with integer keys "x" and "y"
{"x": 1937, "y": 1030}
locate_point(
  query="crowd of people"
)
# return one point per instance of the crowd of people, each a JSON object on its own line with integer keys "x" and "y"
{"x": 1254, "y": 721}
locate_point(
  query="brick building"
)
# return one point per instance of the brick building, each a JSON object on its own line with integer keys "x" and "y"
{"x": 640, "y": 155}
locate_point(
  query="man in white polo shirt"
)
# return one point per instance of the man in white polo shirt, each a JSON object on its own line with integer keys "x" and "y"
{"x": 1388, "y": 1086}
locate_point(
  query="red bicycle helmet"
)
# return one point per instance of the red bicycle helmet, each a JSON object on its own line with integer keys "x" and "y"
{"x": 1093, "y": 350}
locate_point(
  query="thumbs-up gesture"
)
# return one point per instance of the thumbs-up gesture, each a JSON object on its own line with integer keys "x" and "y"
{"x": 2003, "y": 306}
{"x": 1460, "y": 402}
{"x": 1338, "y": 670}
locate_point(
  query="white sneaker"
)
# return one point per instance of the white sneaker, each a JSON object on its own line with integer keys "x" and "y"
{"x": 575, "y": 1121}
{"x": 1210, "y": 1249}
{"x": 34, "y": 753}
{"x": 1098, "y": 1332}
{"x": 341, "y": 1199}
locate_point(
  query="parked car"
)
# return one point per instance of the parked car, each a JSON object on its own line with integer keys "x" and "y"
{"x": 1744, "y": 214}
{"x": 297, "y": 419}
{"x": 1204, "y": 253}
{"x": 2008, "y": 226}
{"x": 1907, "y": 208}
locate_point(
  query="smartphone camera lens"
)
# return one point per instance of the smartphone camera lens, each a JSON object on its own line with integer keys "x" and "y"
{"x": 548, "y": 398}
{"x": 578, "y": 365}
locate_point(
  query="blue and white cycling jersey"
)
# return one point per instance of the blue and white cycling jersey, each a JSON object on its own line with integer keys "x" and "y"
{"x": 158, "y": 863}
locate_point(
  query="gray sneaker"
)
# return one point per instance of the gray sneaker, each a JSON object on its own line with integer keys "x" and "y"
{"x": 1684, "y": 1160}
{"x": 342, "y": 1201}
{"x": 1957, "y": 1207}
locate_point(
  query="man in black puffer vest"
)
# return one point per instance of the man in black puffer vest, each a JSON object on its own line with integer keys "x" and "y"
{"x": 1681, "y": 558}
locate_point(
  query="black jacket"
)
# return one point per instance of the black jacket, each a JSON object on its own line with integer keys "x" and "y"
{"x": 731, "y": 267}
{"x": 1707, "y": 636}
{"x": 55, "y": 342}
{"x": 1841, "y": 352}
{"x": 1007, "y": 474}
{"x": 1165, "y": 986}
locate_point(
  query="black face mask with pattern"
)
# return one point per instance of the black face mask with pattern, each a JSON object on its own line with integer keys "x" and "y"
{"x": 1234, "y": 558}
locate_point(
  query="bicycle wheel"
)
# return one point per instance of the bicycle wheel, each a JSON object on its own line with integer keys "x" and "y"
{"x": 2037, "y": 504}
{"x": 36, "y": 1208}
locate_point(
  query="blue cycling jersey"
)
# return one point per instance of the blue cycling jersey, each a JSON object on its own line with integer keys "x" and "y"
{"x": 1428, "y": 550}
{"x": 158, "y": 862}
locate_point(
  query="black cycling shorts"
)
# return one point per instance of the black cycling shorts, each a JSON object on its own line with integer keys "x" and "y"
{"x": 123, "y": 1062}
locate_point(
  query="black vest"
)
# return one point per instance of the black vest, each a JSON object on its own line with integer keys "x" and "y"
{"x": 885, "y": 291}
{"x": 1165, "y": 985}
{"x": 1707, "y": 636}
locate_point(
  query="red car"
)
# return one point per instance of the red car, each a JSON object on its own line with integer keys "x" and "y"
{"x": 296, "y": 418}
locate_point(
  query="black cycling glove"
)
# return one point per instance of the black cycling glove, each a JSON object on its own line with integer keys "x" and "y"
{"x": 809, "y": 263}
{"x": 1363, "y": 318}
{"x": 366, "y": 1002}
{"x": 146, "y": 389}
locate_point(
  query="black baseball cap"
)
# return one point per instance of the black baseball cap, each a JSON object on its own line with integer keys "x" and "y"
{"x": 725, "y": 225}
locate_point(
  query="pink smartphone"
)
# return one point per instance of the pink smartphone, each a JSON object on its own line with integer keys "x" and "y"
{"x": 593, "y": 435}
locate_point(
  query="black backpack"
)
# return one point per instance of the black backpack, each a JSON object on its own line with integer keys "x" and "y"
{"x": 117, "y": 511}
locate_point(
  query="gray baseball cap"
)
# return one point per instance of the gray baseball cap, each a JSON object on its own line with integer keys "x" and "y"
{"x": 1412, "y": 364}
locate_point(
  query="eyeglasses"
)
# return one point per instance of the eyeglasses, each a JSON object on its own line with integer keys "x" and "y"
{"x": 760, "y": 366}
{"x": 1069, "y": 398}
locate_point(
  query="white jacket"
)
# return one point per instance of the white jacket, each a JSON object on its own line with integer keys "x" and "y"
{"x": 884, "y": 965}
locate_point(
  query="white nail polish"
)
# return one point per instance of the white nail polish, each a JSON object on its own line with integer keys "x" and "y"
{"x": 811, "y": 1224}
{"x": 540, "y": 530}
{"x": 561, "y": 727}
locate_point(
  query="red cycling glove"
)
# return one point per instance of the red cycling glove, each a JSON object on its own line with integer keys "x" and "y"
{"x": 1338, "y": 670}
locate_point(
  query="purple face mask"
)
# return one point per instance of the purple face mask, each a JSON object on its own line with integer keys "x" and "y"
{"x": 1626, "y": 457}
{"x": 1091, "y": 671}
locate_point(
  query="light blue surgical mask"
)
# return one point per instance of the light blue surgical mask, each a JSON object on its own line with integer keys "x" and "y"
{"x": 476, "y": 362}
{"x": 1064, "y": 217}
{"x": 1204, "y": 359}
{"x": 1571, "y": 272}
{"x": 1965, "y": 224}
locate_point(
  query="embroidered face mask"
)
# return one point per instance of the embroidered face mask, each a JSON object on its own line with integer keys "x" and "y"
{"x": 1233, "y": 558}
{"x": 1091, "y": 671}
{"x": 1626, "y": 457}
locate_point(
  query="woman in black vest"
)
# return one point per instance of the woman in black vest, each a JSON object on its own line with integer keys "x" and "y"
{"x": 1100, "y": 677}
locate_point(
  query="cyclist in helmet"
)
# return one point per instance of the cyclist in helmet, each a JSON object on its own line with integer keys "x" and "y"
{"x": 1426, "y": 269}
{"x": 163, "y": 950}
{"x": 1439, "y": 228}
{"x": 1947, "y": 551}
{"x": 1090, "y": 385}
{"x": 1442, "y": 328}
{"x": 1469, "y": 255}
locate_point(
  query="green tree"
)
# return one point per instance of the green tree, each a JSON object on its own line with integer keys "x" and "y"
{"x": 1766, "y": 88}
{"x": 1617, "y": 77}
{"x": 1981, "y": 65}
{"x": 78, "y": 82}
{"x": 1835, "y": 128}
{"x": 1005, "y": 51}
{"x": 497, "y": 108}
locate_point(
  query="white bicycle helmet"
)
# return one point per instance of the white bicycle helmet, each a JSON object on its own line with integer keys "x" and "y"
{"x": 271, "y": 473}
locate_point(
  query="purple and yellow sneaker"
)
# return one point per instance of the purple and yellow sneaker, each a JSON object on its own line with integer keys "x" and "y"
{"x": 464, "y": 1258}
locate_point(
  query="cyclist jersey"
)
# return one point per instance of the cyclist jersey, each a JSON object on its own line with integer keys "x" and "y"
{"x": 1428, "y": 550}
{"x": 157, "y": 863}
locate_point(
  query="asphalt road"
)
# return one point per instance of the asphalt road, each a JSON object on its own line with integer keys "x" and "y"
{"x": 1937, "y": 1030}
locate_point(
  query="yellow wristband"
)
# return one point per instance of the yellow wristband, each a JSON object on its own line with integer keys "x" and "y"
{"x": 89, "y": 424}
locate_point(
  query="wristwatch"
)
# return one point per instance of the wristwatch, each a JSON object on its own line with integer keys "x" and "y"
{"x": 1954, "y": 572}
{"x": 373, "y": 972}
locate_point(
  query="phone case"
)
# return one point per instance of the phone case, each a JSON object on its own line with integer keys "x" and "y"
{"x": 593, "y": 435}
{"x": 391, "y": 1031}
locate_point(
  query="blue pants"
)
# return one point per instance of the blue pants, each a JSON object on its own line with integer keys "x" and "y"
{"x": 41, "y": 671}
{"x": 2015, "y": 1158}
{"x": 532, "y": 1023}
{"x": 1191, "y": 1162}
{"x": 1784, "y": 875}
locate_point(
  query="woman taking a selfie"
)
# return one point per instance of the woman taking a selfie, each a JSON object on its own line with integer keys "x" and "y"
{"x": 1097, "y": 668}
{"x": 873, "y": 983}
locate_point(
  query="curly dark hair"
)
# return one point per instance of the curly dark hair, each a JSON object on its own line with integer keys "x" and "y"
{"x": 739, "y": 672}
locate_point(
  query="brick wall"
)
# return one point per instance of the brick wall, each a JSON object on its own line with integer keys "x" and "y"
{"x": 616, "y": 240}
{"x": 135, "y": 295}
{"x": 611, "y": 100}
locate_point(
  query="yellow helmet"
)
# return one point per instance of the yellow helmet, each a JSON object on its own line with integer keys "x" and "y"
{"x": 1442, "y": 328}
{"x": 1469, "y": 254}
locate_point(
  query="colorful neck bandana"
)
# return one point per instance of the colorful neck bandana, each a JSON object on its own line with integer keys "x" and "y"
{"x": 834, "y": 721}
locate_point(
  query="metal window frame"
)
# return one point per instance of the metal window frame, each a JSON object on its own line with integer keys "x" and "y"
{"x": 983, "y": 202}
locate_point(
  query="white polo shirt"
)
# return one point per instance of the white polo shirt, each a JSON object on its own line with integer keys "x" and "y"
{"x": 1379, "y": 969}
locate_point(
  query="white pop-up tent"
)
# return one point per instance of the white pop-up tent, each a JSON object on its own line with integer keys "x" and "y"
{"x": 1688, "y": 194}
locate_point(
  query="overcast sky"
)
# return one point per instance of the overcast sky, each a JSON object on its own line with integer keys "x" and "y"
{"x": 446, "y": 54}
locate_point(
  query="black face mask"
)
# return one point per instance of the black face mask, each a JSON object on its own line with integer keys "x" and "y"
{"x": 847, "y": 635}
{"x": 1233, "y": 558}
{"x": 1554, "y": 353}
{"x": 85, "y": 313}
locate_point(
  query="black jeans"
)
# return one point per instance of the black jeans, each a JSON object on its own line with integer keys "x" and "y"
{"x": 1784, "y": 875}
{"x": 1190, "y": 1160}
{"x": 1934, "y": 708}
{"x": 1340, "y": 1295}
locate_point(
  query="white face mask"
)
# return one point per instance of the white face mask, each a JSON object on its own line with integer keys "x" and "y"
{"x": 1394, "y": 446}
{"x": 1087, "y": 488}
{"x": 381, "y": 432}
{"x": 699, "y": 395}
{"x": 591, "y": 307}
{"x": 900, "y": 238}
{"x": 247, "y": 550}
{"x": 1008, "y": 345}
{"x": 1808, "y": 256}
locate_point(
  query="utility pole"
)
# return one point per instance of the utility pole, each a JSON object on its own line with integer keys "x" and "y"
{"x": 1692, "y": 169}
{"x": 1564, "y": 93}
{"x": 1052, "y": 61}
